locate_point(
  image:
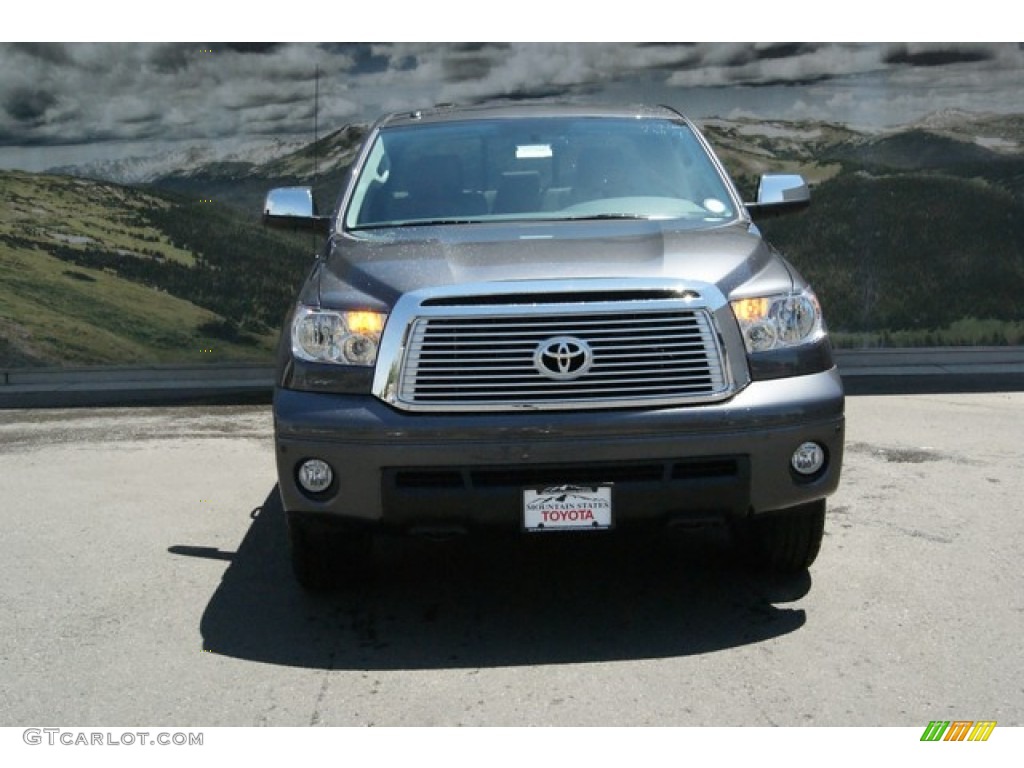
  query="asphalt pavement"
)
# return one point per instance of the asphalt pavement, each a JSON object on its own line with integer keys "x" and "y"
{"x": 145, "y": 575}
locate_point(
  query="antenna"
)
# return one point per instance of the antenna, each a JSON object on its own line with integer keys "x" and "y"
{"x": 316, "y": 148}
{"x": 316, "y": 127}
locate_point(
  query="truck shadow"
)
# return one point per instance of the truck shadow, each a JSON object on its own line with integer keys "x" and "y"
{"x": 472, "y": 603}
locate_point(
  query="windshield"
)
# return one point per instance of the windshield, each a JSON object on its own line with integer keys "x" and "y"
{"x": 537, "y": 169}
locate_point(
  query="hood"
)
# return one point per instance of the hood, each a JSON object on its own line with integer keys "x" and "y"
{"x": 375, "y": 268}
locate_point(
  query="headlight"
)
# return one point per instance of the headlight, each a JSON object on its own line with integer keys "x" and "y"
{"x": 328, "y": 336}
{"x": 775, "y": 322}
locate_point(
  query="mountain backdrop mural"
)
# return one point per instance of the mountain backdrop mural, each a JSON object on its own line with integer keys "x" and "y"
{"x": 132, "y": 176}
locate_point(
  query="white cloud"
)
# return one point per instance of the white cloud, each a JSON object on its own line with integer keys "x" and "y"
{"x": 82, "y": 93}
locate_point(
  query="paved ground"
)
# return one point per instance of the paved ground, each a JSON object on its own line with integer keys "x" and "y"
{"x": 145, "y": 582}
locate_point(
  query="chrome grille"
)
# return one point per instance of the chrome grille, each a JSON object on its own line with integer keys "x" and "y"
{"x": 484, "y": 359}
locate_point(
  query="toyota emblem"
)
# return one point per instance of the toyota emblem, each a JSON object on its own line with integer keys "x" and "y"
{"x": 563, "y": 358}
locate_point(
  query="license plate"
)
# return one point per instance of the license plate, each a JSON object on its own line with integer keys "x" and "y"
{"x": 567, "y": 508}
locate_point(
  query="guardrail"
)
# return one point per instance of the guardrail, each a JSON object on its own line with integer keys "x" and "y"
{"x": 930, "y": 361}
{"x": 136, "y": 385}
{"x": 931, "y": 370}
{"x": 864, "y": 371}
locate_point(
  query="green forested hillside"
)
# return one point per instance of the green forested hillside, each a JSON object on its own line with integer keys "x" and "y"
{"x": 96, "y": 273}
{"x": 913, "y": 237}
{"x": 910, "y": 252}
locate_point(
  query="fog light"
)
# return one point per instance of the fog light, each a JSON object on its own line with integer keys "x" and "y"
{"x": 315, "y": 475}
{"x": 808, "y": 459}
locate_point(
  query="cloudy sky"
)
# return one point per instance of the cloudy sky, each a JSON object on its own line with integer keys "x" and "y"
{"x": 62, "y": 103}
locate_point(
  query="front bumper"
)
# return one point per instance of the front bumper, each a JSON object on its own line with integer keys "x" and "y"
{"x": 406, "y": 471}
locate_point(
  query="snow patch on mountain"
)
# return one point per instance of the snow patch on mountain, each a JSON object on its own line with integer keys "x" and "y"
{"x": 141, "y": 169}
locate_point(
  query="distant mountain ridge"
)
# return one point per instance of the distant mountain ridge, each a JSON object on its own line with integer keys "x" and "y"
{"x": 243, "y": 184}
{"x": 749, "y": 147}
{"x": 946, "y": 140}
{"x": 918, "y": 149}
{"x": 144, "y": 169}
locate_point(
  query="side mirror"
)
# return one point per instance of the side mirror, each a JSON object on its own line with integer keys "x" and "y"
{"x": 293, "y": 208}
{"x": 778, "y": 194}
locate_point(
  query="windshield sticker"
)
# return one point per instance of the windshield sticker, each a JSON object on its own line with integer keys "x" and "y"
{"x": 530, "y": 151}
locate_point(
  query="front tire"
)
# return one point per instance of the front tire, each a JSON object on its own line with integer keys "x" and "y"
{"x": 786, "y": 541}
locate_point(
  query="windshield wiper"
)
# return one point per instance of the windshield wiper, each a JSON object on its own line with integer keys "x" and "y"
{"x": 607, "y": 216}
{"x": 433, "y": 222}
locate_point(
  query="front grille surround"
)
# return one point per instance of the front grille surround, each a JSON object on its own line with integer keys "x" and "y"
{"x": 464, "y": 354}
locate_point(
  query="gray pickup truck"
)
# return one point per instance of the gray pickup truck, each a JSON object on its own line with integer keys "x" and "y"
{"x": 553, "y": 320}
